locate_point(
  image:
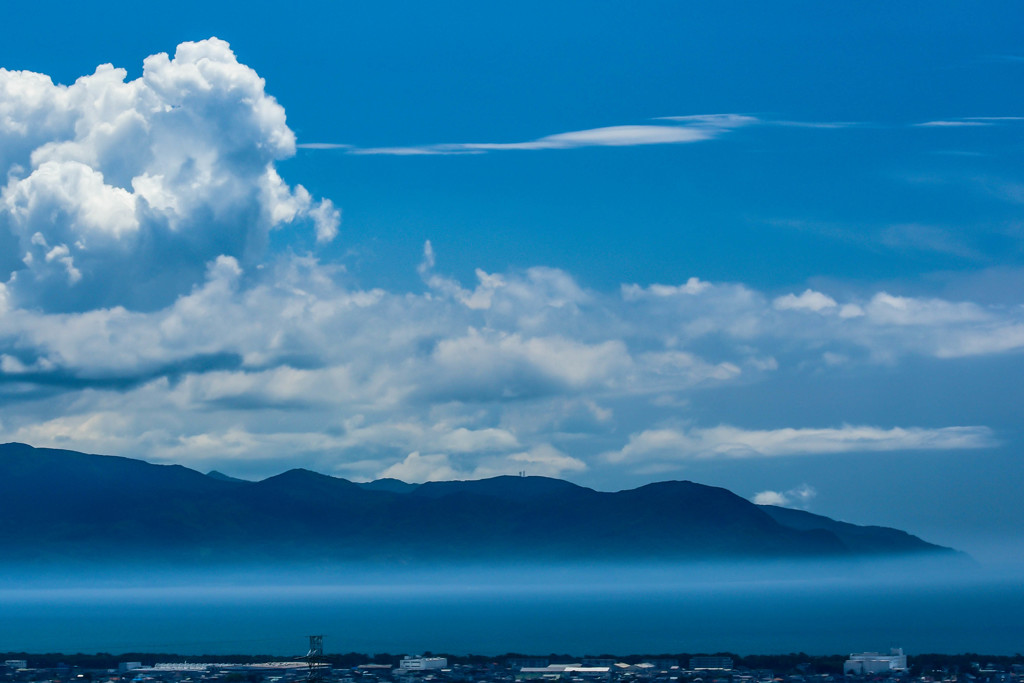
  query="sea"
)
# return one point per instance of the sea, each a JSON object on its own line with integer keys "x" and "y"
{"x": 588, "y": 611}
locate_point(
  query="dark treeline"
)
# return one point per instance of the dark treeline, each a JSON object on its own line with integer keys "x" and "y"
{"x": 794, "y": 662}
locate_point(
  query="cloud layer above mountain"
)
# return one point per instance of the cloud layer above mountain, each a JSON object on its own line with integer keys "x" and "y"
{"x": 146, "y": 315}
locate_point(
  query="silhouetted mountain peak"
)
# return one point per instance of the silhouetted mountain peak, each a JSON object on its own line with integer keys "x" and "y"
{"x": 506, "y": 486}
{"x": 214, "y": 474}
{"x": 300, "y": 481}
{"x": 389, "y": 484}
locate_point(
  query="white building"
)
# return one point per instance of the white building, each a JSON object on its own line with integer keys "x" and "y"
{"x": 422, "y": 663}
{"x": 876, "y": 662}
{"x": 551, "y": 672}
{"x": 16, "y": 663}
{"x": 602, "y": 673}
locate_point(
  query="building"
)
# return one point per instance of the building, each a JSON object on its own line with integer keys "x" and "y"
{"x": 422, "y": 663}
{"x": 711, "y": 663}
{"x": 598, "y": 673}
{"x": 16, "y": 663}
{"x": 529, "y": 662}
{"x": 876, "y": 662}
{"x": 665, "y": 664}
{"x": 551, "y": 672}
{"x": 554, "y": 672}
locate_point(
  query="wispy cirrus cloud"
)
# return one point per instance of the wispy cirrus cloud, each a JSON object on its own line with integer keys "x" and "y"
{"x": 822, "y": 125}
{"x": 953, "y": 123}
{"x": 730, "y": 442}
{"x": 969, "y": 122}
{"x": 674, "y": 130}
{"x": 734, "y": 120}
{"x": 680, "y": 130}
{"x": 322, "y": 145}
{"x": 994, "y": 118}
{"x": 953, "y": 240}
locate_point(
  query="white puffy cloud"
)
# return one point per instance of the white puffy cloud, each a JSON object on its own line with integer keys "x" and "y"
{"x": 798, "y": 497}
{"x": 771, "y": 498}
{"x": 506, "y": 365}
{"x": 809, "y": 300}
{"x": 692, "y": 286}
{"x": 286, "y": 359}
{"x": 900, "y": 310}
{"x": 416, "y": 469}
{"x": 543, "y": 460}
{"x": 119, "y": 191}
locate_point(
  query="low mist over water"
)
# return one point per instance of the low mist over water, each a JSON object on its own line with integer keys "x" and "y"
{"x": 767, "y": 608}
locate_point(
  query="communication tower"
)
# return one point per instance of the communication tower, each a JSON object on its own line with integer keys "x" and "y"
{"x": 315, "y": 660}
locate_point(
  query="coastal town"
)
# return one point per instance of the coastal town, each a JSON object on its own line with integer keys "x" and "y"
{"x": 892, "y": 666}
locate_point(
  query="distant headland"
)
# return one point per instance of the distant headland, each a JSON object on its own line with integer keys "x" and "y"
{"x": 64, "y": 505}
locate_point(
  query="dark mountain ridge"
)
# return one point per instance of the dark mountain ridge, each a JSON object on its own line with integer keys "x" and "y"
{"x": 58, "y": 505}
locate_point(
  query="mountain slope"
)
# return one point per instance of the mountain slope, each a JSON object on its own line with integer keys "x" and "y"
{"x": 58, "y": 504}
{"x": 864, "y": 539}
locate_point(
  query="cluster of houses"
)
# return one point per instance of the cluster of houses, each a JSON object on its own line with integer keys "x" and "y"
{"x": 868, "y": 667}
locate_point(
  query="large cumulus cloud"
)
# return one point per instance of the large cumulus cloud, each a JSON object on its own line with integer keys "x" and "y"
{"x": 119, "y": 192}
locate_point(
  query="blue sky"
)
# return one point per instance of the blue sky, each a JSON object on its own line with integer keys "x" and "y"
{"x": 775, "y": 248}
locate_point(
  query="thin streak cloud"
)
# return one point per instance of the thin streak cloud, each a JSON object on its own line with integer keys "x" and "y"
{"x": 730, "y": 442}
{"x": 958, "y": 123}
{"x": 676, "y": 130}
{"x": 322, "y": 145}
{"x": 689, "y": 129}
